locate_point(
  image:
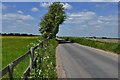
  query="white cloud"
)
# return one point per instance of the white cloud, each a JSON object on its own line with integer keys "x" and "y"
{"x": 14, "y": 22}
{"x": 67, "y": 6}
{"x": 15, "y": 16}
{"x": 80, "y": 17}
{"x": 0, "y": 16}
{"x": 34, "y": 9}
{"x": 4, "y": 7}
{"x": 47, "y": 4}
{"x": 19, "y": 11}
{"x": 89, "y": 23}
{"x": 99, "y": 0}
{"x": 14, "y": 6}
{"x": 107, "y": 0}
{"x": 0, "y": 9}
{"x": 91, "y": 19}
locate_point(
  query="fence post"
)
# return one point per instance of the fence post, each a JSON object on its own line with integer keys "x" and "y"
{"x": 10, "y": 71}
{"x": 31, "y": 57}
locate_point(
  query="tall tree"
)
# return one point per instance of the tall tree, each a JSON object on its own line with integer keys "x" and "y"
{"x": 51, "y": 21}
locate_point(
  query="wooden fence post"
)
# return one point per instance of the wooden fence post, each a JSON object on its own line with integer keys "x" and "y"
{"x": 11, "y": 71}
{"x": 31, "y": 57}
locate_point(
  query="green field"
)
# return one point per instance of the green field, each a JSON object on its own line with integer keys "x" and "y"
{"x": 108, "y": 46}
{"x": 15, "y": 46}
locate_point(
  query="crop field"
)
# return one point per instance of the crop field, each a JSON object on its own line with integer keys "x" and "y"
{"x": 107, "y": 40}
{"x": 13, "y": 47}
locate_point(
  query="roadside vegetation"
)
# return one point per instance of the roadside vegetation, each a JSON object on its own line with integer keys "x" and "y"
{"x": 49, "y": 27}
{"x": 46, "y": 62}
{"x": 0, "y": 52}
{"x": 108, "y": 46}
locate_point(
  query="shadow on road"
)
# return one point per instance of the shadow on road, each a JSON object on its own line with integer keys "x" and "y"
{"x": 63, "y": 41}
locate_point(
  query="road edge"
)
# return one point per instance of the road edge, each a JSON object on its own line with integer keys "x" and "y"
{"x": 59, "y": 68}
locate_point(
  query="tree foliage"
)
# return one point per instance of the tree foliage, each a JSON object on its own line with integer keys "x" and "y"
{"x": 49, "y": 25}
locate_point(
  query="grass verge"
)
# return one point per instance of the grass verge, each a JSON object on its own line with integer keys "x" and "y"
{"x": 112, "y": 47}
{"x": 0, "y": 53}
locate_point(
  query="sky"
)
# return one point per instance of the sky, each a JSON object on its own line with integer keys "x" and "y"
{"x": 84, "y": 19}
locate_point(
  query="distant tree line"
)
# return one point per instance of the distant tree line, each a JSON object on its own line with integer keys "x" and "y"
{"x": 98, "y": 37}
{"x": 94, "y": 37}
{"x": 16, "y": 34}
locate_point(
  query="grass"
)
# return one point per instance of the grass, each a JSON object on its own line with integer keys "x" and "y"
{"x": 46, "y": 63}
{"x": 15, "y": 46}
{"x": 0, "y": 53}
{"x": 12, "y": 48}
{"x": 108, "y": 46}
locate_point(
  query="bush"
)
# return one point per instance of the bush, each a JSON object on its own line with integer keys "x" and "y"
{"x": 46, "y": 63}
{"x": 67, "y": 39}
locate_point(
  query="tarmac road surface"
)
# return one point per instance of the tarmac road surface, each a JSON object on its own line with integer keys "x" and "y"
{"x": 85, "y": 62}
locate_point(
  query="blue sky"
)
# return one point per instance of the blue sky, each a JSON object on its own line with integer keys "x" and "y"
{"x": 83, "y": 18}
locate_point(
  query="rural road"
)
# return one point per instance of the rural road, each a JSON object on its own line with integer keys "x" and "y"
{"x": 80, "y": 61}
